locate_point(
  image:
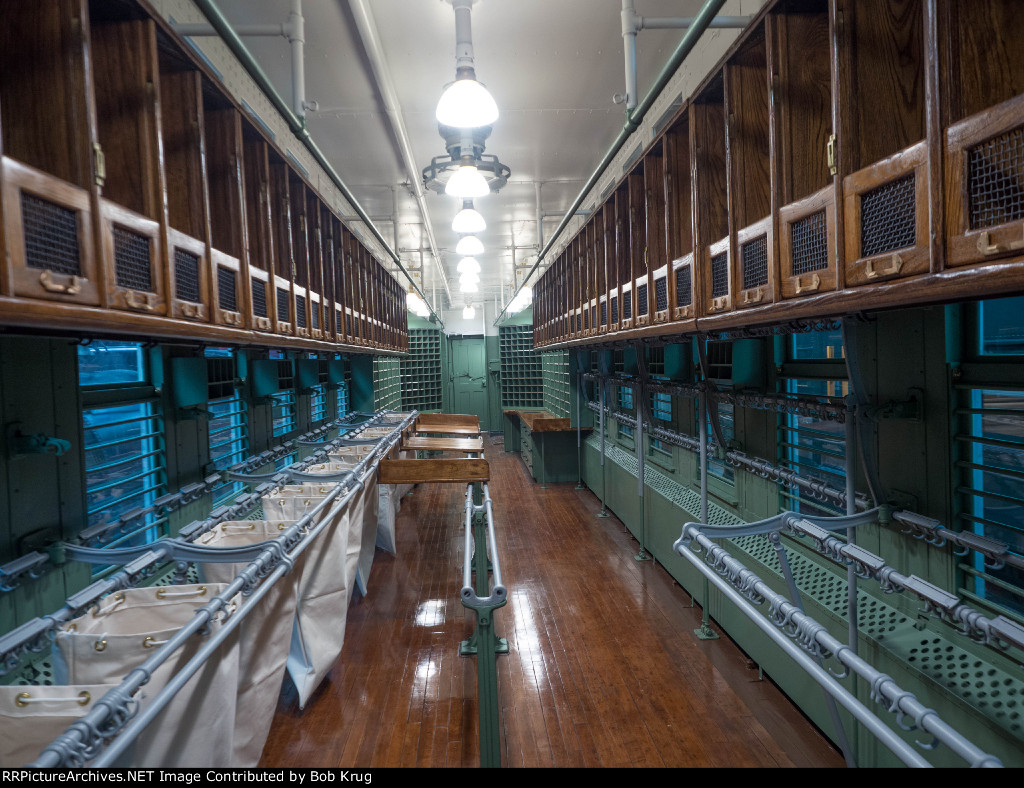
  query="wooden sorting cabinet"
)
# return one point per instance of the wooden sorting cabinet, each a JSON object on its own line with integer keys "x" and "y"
{"x": 984, "y": 143}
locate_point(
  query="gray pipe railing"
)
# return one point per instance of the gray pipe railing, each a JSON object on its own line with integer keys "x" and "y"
{"x": 112, "y": 712}
{"x": 808, "y": 640}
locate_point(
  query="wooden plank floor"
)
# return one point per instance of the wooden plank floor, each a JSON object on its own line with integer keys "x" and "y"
{"x": 604, "y": 669}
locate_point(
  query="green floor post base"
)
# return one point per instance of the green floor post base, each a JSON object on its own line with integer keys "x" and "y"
{"x": 704, "y": 632}
{"x": 641, "y": 556}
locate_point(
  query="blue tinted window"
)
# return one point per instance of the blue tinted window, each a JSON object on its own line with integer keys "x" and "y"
{"x": 1002, "y": 326}
{"x": 104, "y": 363}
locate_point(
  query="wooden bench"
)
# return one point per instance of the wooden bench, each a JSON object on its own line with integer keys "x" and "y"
{"x": 443, "y": 470}
{"x": 447, "y": 424}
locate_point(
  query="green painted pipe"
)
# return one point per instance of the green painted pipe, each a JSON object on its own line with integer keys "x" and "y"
{"x": 227, "y": 33}
{"x": 633, "y": 120}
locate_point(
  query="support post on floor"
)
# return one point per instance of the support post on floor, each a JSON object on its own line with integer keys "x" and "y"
{"x": 579, "y": 431}
{"x": 602, "y": 382}
{"x": 484, "y": 600}
{"x": 704, "y": 631}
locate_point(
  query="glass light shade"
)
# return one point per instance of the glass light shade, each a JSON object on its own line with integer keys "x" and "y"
{"x": 411, "y": 300}
{"x": 467, "y": 287}
{"x": 467, "y": 183}
{"x": 468, "y": 265}
{"x": 466, "y": 104}
{"x": 469, "y": 246}
{"x": 469, "y": 276}
{"x": 468, "y": 220}
{"x": 526, "y": 294}
{"x": 468, "y": 313}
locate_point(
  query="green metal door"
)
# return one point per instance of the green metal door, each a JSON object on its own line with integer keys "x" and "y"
{"x": 469, "y": 378}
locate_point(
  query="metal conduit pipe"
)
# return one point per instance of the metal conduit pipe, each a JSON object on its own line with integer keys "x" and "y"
{"x": 297, "y": 125}
{"x": 718, "y": 565}
{"x": 700, "y": 24}
{"x": 366, "y": 24}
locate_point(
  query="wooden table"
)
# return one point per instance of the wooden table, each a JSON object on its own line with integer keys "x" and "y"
{"x": 434, "y": 469}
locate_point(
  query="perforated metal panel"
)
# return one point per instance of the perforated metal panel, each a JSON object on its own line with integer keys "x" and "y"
{"x": 186, "y": 276}
{"x": 615, "y": 309}
{"x": 684, "y": 286}
{"x": 579, "y": 322}
{"x": 315, "y": 312}
{"x": 132, "y": 263}
{"x": 282, "y": 305}
{"x": 661, "y": 293}
{"x": 259, "y": 297}
{"x": 339, "y": 321}
{"x": 51, "y": 236}
{"x": 754, "y": 258}
{"x": 809, "y": 243}
{"x": 995, "y": 180}
{"x": 348, "y": 324}
{"x": 300, "y": 311}
{"x": 227, "y": 296}
{"x": 642, "y": 300}
{"x": 627, "y": 305}
{"x": 593, "y": 316}
{"x": 720, "y": 275}
{"x": 604, "y": 313}
{"x": 888, "y": 217}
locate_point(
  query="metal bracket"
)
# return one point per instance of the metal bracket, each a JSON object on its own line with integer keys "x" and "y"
{"x": 910, "y": 409}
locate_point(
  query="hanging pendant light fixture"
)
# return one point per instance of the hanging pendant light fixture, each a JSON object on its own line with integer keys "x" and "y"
{"x": 469, "y": 312}
{"x": 468, "y": 220}
{"x": 467, "y": 182}
{"x": 469, "y": 277}
{"x": 469, "y": 246}
{"x": 468, "y": 265}
{"x": 467, "y": 287}
{"x": 465, "y": 103}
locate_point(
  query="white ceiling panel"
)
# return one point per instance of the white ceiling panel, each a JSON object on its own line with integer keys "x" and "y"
{"x": 552, "y": 66}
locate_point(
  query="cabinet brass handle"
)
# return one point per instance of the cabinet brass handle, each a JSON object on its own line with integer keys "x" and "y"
{"x": 46, "y": 280}
{"x": 895, "y": 264}
{"x": 140, "y": 301}
{"x": 810, "y": 288}
{"x": 756, "y": 298}
{"x": 189, "y": 310}
{"x": 985, "y": 245}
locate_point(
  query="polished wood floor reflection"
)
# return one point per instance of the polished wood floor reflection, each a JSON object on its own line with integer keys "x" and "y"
{"x": 604, "y": 669}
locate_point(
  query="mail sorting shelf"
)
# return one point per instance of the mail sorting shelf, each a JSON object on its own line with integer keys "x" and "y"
{"x": 421, "y": 371}
{"x": 521, "y": 372}
{"x": 555, "y": 368}
{"x": 387, "y": 383}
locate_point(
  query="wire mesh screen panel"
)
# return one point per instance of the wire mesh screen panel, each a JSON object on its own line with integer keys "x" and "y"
{"x": 661, "y": 293}
{"x": 627, "y": 305}
{"x": 720, "y": 275}
{"x": 888, "y": 217}
{"x": 641, "y": 299}
{"x": 132, "y": 264}
{"x": 579, "y": 322}
{"x": 315, "y": 314}
{"x": 615, "y": 309}
{"x": 300, "y": 311}
{"x": 810, "y": 243}
{"x": 227, "y": 291}
{"x": 684, "y": 286}
{"x": 186, "y": 276}
{"x": 754, "y": 258}
{"x": 604, "y": 313}
{"x": 282, "y": 305}
{"x": 593, "y": 316}
{"x": 995, "y": 180}
{"x": 51, "y": 236}
{"x": 259, "y": 297}
{"x": 339, "y": 321}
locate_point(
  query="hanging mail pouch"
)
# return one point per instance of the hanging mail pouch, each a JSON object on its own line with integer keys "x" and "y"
{"x": 33, "y": 716}
{"x": 319, "y": 631}
{"x": 196, "y": 727}
{"x": 264, "y": 635}
{"x": 369, "y": 502}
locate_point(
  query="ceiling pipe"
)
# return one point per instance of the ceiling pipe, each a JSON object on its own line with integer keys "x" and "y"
{"x": 633, "y": 119}
{"x": 296, "y": 123}
{"x": 540, "y": 214}
{"x": 370, "y": 38}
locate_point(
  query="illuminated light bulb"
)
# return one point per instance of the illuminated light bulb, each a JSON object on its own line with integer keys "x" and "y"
{"x": 466, "y": 104}
{"x": 469, "y": 276}
{"x": 468, "y": 220}
{"x": 469, "y": 246}
{"x": 468, "y": 265}
{"x": 468, "y": 313}
{"x": 467, "y": 287}
{"x": 467, "y": 183}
